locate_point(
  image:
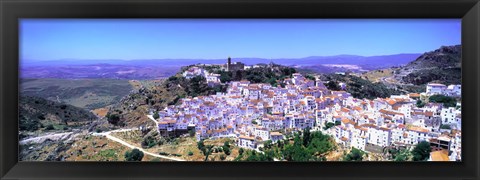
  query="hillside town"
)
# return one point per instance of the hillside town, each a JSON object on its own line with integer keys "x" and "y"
{"x": 254, "y": 113}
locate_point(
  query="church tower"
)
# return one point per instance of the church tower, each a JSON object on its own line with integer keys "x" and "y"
{"x": 229, "y": 63}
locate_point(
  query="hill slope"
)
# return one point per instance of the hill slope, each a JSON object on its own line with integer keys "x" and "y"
{"x": 442, "y": 66}
{"x": 38, "y": 114}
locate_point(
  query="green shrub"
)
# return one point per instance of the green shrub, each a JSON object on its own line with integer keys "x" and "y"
{"x": 49, "y": 127}
{"x": 134, "y": 155}
{"x": 445, "y": 126}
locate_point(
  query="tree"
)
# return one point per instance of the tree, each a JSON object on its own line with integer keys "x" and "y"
{"x": 332, "y": 85}
{"x": 225, "y": 76}
{"x": 201, "y": 145}
{"x": 113, "y": 118}
{"x": 134, "y": 155}
{"x": 207, "y": 151}
{"x": 197, "y": 86}
{"x": 296, "y": 153}
{"x": 403, "y": 155}
{"x": 420, "y": 103}
{"x": 328, "y": 125}
{"x": 320, "y": 145}
{"x": 306, "y": 136}
{"x": 445, "y": 126}
{"x": 308, "y": 76}
{"x": 267, "y": 144}
{"x": 156, "y": 115}
{"x": 226, "y": 150}
{"x": 28, "y": 124}
{"x": 190, "y": 153}
{"x": 446, "y": 100}
{"x": 223, "y": 157}
{"x": 148, "y": 142}
{"x": 226, "y": 144}
{"x": 191, "y": 132}
{"x": 240, "y": 151}
{"x": 49, "y": 127}
{"x": 354, "y": 155}
{"x": 253, "y": 156}
{"x": 421, "y": 152}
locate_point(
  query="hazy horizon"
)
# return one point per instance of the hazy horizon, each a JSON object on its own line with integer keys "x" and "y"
{"x": 233, "y": 58}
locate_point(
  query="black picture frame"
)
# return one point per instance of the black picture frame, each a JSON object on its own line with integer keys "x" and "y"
{"x": 12, "y": 10}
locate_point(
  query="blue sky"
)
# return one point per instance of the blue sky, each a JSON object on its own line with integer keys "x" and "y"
{"x": 54, "y": 39}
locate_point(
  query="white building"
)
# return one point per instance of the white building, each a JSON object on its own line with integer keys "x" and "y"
{"x": 449, "y": 115}
{"x": 434, "y": 88}
{"x": 276, "y": 136}
{"x": 247, "y": 142}
{"x": 379, "y": 136}
{"x": 194, "y": 71}
{"x": 454, "y": 90}
{"x": 262, "y": 132}
{"x": 451, "y": 90}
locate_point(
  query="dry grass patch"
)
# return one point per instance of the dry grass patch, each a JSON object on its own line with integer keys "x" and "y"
{"x": 376, "y": 75}
{"x": 100, "y": 112}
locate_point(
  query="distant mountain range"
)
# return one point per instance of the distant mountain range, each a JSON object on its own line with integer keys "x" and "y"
{"x": 386, "y": 60}
{"x": 158, "y": 68}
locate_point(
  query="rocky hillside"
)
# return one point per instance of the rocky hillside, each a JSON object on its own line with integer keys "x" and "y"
{"x": 38, "y": 114}
{"x": 442, "y": 66}
{"x": 444, "y": 57}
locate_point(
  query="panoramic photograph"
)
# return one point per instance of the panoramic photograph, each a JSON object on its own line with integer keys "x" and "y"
{"x": 245, "y": 90}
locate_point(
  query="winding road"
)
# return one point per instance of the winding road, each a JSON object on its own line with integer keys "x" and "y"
{"x": 110, "y": 137}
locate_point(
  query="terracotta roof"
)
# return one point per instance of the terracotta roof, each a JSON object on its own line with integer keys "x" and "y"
{"x": 247, "y": 137}
{"x": 276, "y": 134}
{"x": 413, "y": 95}
{"x": 391, "y": 101}
{"x": 369, "y": 125}
{"x": 347, "y": 121}
{"x": 428, "y": 113}
{"x": 357, "y": 108}
{"x": 439, "y": 155}
{"x": 345, "y": 110}
{"x": 418, "y": 129}
{"x": 384, "y": 111}
{"x": 384, "y": 129}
